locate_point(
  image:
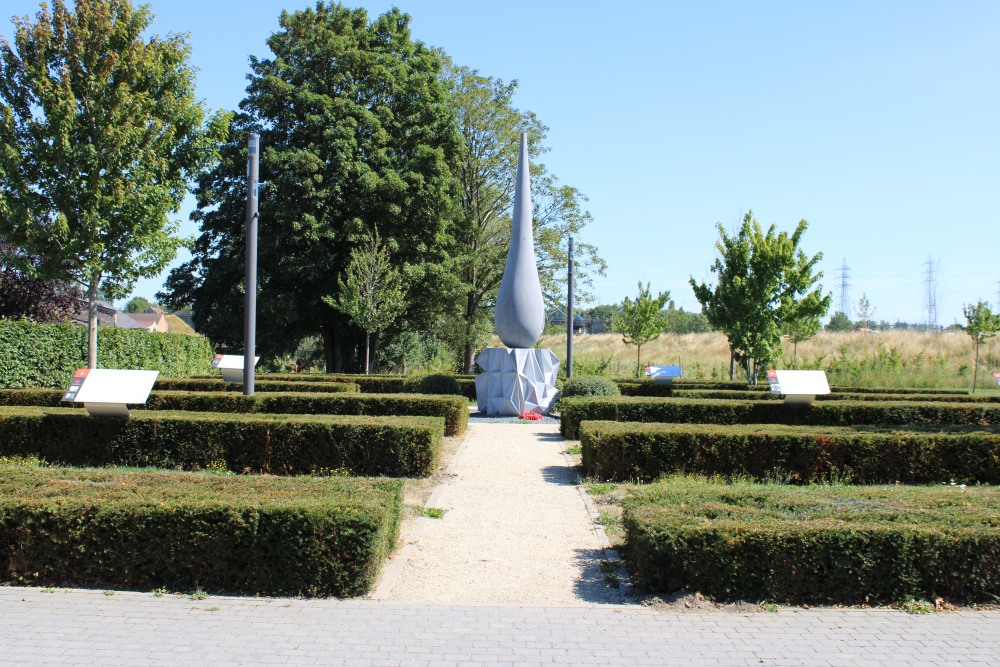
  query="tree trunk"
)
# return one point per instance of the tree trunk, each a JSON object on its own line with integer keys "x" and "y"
{"x": 92, "y": 323}
{"x": 376, "y": 339}
{"x": 638, "y": 361}
{"x": 331, "y": 350}
{"x": 368, "y": 342}
{"x": 795, "y": 352}
{"x": 469, "y": 351}
{"x": 975, "y": 369}
{"x": 732, "y": 365}
{"x": 469, "y": 359}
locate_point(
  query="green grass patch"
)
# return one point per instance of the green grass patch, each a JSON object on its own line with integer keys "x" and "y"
{"x": 281, "y": 444}
{"x": 623, "y": 451}
{"x": 832, "y": 544}
{"x": 159, "y": 530}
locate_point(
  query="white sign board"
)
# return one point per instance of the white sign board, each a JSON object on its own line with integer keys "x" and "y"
{"x": 799, "y": 387}
{"x": 663, "y": 373}
{"x": 104, "y": 391}
{"x": 996, "y": 376}
{"x": 231, "y": 366}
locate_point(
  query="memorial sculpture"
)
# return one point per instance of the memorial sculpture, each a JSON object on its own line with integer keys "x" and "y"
{"x": 518, "y": 378}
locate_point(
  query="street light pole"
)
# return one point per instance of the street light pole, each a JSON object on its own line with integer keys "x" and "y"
{"x": 250, "y": 305}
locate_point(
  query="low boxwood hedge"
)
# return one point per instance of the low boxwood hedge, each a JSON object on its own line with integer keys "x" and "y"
{"x": 454, "y": 409}
{"x": 837, "y": 395}
{"x": 789, "y": 544}
{"x": 622, "y": 451}
{"x": 245, "y": 535}
{"x": 280, "y": 444}
{"x": 651, "y": 388}
{"x": 370, "y": 384}
{"x": 572, "y": 411}
{"x": 205, "y": 384}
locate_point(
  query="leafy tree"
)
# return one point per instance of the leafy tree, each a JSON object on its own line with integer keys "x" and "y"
{"x": 138, "y": 304}
{"x": 763, "y": 282}
{"x": 679, "y": 321}
{"x": 602, "y": 312}
{"x": 866, "y": 314}
{"x": 799, "y": 330}
{"x": 372, "y": 295}
{"x": 41, "y": 300}
{"x": 99, "y": 134}
{"x": 839, "y": 322}
{"x": 486, "y": 166}
{"x": 641, "y": 321}
{"x": 981, "y": 325}
{"x": 356, "y": 132}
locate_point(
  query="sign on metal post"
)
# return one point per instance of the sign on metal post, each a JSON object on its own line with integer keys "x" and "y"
{"x": 232, "y": 366}
{"x": 663, "y": 374}
{"x": 799, "y": 387}
{"x": 250, "y": 306}
{"x": 106, "y": 392}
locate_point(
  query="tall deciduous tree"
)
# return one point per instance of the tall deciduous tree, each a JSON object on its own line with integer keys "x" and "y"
{"x": 100, "y": 133}
{"x": 641, "y": 321}
{"x": 372, "y": 293}
{"x": 356, "y": 132}
{"x": 763, "y": 281}
{"x": 981, "y": 324}
{"x": 491, "y": 126}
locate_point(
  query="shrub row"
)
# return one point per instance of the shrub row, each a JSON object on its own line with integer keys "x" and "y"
{"x": 622, "y": 451}
{"x": 825, "y": 413}
{"x": 815, "y": 544}
{"x": 244, "y": 535}
{"x": 280, "y": 444}
{"x": 454, "y": 409}
{"x": 839, "y": 395}
{"x": 650, "y": 388}
{"x": 378, "y": 384}
{"x": 47, "y": 355}
{"x": 199, "y": 384}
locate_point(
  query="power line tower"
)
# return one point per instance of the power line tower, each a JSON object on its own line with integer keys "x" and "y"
{"x": 930, "y": 293}
{"x": 845, "y": 283}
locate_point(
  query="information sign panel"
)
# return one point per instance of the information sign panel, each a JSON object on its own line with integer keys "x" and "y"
{"x": 799, "y": 387}
{"x": 105, "y": 391}
{"x": 231, "y": 366}
{"x": 663, "y": 373}
{"x": 996, "y": 376}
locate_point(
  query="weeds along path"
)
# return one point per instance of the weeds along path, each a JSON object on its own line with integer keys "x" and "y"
{"x": 515, "y": 529}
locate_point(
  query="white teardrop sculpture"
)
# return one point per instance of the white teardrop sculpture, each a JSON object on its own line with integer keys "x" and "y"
{"x": 520, "y": 311}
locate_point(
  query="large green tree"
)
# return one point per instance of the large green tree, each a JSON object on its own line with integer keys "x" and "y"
{"x": 641, "y": 321}
{"x": 490, "y": 125}
{"x": 100, "y": 133}
{"x": 981, "y": 324}
{"x": 763, "y": 281}
{"x": 356, "y": 132}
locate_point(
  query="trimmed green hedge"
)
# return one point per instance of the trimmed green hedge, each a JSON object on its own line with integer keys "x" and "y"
{"x": 622, "y": 451}
{"x": 47, "y": 355}
{"x": 842, "y": 545}
{"x": 650, "y": 388}
{"x": 279, "y": 444}
{"x": 244, "y": 535}
{"x": 174, "y": 384}
{"x": 454, "y": 409}
{"x": 370, "y": 384}
{"x": 839, "y": 395}
{"x": 572, "y": 411}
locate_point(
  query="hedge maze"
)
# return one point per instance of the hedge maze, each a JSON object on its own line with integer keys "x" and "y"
{"x": 868, "y": 496}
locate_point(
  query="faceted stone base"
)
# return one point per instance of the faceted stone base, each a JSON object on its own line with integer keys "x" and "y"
{"x": 516, "y": 380}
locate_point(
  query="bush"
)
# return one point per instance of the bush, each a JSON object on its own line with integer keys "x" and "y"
{"x": 622, "y": 451}
{"x": 372, "y": 384}
{"x": 572, "y": 411}
{"x": 843, "y": 545}
{"x": 278, "y": 444}
{"x": 199, "y": 384}
{"x": 434, "y": 384}
{"x": 243, "y": 535}
{"x": 589, "y": 385}
{"x": 47, "y": 355}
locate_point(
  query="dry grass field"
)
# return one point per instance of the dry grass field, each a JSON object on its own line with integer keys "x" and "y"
{"x": 889, "y": 359}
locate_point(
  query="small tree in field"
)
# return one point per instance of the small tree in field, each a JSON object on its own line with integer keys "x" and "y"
{"x": 981, "y": 325}
{"x": 372, "y": 296}
{"x": 641, "y": 321}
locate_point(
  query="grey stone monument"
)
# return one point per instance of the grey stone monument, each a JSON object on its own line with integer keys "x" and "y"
{"x": 518, "y": 378}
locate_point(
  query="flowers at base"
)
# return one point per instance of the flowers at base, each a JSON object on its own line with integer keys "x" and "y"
{"x": 530, "y": 416}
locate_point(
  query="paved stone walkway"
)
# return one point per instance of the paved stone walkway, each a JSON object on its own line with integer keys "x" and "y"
{"x": 89, "y": 628}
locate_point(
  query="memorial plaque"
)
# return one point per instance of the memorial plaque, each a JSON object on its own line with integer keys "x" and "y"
{"x": 231, "y": 366}
{"x": 664, "y": 374}
{"x": 798, "y": 387}
{"x": 105, "y": 391}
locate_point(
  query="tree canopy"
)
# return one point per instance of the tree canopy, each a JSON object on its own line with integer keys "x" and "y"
{"x": 22, "y": 296}
{"x": 356, "y": 132}
{"x": 641, "y": 321}
{"x": 100, "y": 134}
{"x": 763, "y": 281}
{"x": 981, "y": 324}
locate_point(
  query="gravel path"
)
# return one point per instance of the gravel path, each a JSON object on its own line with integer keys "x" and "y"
{"x": 517, "y": 529}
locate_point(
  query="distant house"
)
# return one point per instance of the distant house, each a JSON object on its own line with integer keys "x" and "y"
{"x": 108, "y": 316}
{"x": 153, "y": 319}
{"x": 581, "y": 325}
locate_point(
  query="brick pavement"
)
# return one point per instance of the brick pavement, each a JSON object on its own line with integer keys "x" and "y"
{"x": 76, "y": 627}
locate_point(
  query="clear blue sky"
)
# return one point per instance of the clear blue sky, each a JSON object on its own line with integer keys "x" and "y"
{"x": 875, "y": 121}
